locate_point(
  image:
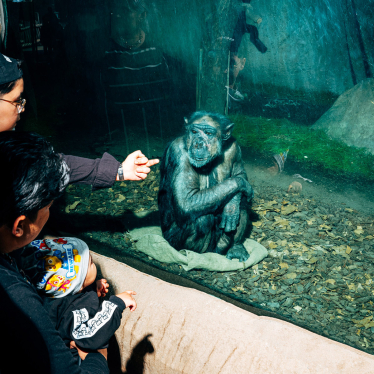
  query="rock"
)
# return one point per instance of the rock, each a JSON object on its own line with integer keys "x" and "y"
{"x": 288, "y": 302}
{"x": 299, "y": 288}
{"x": 253, "y": 280}
{"x": 350, "y": 120}
{"x": 364, "y": 299}
{"x": 295, "y": 187}
{"x": 273, "y": 305}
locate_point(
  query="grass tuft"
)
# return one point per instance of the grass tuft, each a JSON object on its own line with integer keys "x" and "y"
{"x": 311, "y": 147}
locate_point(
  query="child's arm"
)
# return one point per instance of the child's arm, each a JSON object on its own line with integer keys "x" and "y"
{"x": 91, "y": 323}
{"x": 128, "y": 299}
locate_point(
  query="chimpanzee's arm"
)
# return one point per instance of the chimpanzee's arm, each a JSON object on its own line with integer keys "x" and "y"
{"x": 231, "y": 214}
{"x": 195, "y": 202}
{"x": 231, "y": 211}
{"x": 237, "y": 166}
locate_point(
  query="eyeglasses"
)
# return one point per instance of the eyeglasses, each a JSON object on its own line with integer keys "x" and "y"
{"x": 19, "y": 104}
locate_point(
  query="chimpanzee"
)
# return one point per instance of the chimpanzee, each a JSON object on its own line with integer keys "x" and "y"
{"x": 204, "y": 192}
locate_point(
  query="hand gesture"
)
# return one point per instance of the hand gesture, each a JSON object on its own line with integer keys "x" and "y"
{"x": 137, "y": 166}
{"x": 102, "y": 287}
{"x": 128, "y": 299}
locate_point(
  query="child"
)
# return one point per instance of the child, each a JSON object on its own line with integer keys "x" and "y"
{"x": 62, "y": 270}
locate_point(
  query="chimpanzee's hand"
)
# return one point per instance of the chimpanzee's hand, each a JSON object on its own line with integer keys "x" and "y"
{"x": 231, "y": 214}
{"x": 245, "y": 187}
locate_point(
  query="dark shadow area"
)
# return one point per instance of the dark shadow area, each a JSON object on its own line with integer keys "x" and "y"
{"x": 135, "y": 365}
{"x": 78, "y": 223}
{"x": 114, "y": 356}
{"x": 20, "y": 322}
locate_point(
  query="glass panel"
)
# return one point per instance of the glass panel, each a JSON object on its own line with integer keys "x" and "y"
{"x": 296, "y": 79}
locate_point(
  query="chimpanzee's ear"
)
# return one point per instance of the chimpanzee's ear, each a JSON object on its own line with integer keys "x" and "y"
{"x": 186, "y": 120}
{"x": 227, "y": 132}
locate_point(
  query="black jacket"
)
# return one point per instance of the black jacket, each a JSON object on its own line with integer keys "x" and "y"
{"x": 84, "y": 318}
{"x": 29, "y": 342}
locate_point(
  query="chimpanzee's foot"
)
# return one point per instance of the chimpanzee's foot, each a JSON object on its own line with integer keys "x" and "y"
{"x": 238, "y": 251}
{"x": 223, "y": 243}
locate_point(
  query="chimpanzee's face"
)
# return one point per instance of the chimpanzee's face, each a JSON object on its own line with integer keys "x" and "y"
{"x": 203, "y": 141}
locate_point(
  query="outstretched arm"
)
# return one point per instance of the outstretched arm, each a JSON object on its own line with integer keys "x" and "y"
{"x": 102, "y": 172}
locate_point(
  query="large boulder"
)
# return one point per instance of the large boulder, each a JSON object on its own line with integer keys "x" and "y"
{"x": 351, "y": 118}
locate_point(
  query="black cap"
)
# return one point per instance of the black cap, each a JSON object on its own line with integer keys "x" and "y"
{"x": 10, "y": 69}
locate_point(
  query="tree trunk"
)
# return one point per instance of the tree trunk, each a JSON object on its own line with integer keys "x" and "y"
{"x": 220, "y": 20}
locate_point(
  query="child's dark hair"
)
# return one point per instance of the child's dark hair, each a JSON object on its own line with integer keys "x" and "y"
{"x": 7, "y": 87}
{"x": 32, "y": 175}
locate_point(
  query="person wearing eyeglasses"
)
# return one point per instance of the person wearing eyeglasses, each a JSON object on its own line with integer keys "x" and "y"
{"x": 101, "y": 172}
{"x": 19, "y": 104}
{"x": 20, "y": 304}
{"x": 11, "y": 90}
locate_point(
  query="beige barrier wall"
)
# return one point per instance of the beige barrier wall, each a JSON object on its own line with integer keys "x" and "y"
{"x": 192, "y": 332}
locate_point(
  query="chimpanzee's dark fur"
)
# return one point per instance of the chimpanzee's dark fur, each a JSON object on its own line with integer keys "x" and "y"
{"x": 204, "y": 189}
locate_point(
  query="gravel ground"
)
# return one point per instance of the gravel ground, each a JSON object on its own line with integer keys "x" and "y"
{"x": 319, "y": 272}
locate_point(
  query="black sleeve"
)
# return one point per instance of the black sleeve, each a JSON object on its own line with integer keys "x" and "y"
{"x": 28, "y": 337}
{"x": 100, "y": 173}
{"x": 90, "y": 323}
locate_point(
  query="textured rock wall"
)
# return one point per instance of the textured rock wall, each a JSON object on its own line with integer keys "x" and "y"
{"x": 313, "y": 45}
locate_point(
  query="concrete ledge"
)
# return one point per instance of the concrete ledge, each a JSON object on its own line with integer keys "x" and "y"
{"x": 192, "y": 332}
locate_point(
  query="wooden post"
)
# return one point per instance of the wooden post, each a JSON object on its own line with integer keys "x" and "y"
{"x": 220, "y": 21}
